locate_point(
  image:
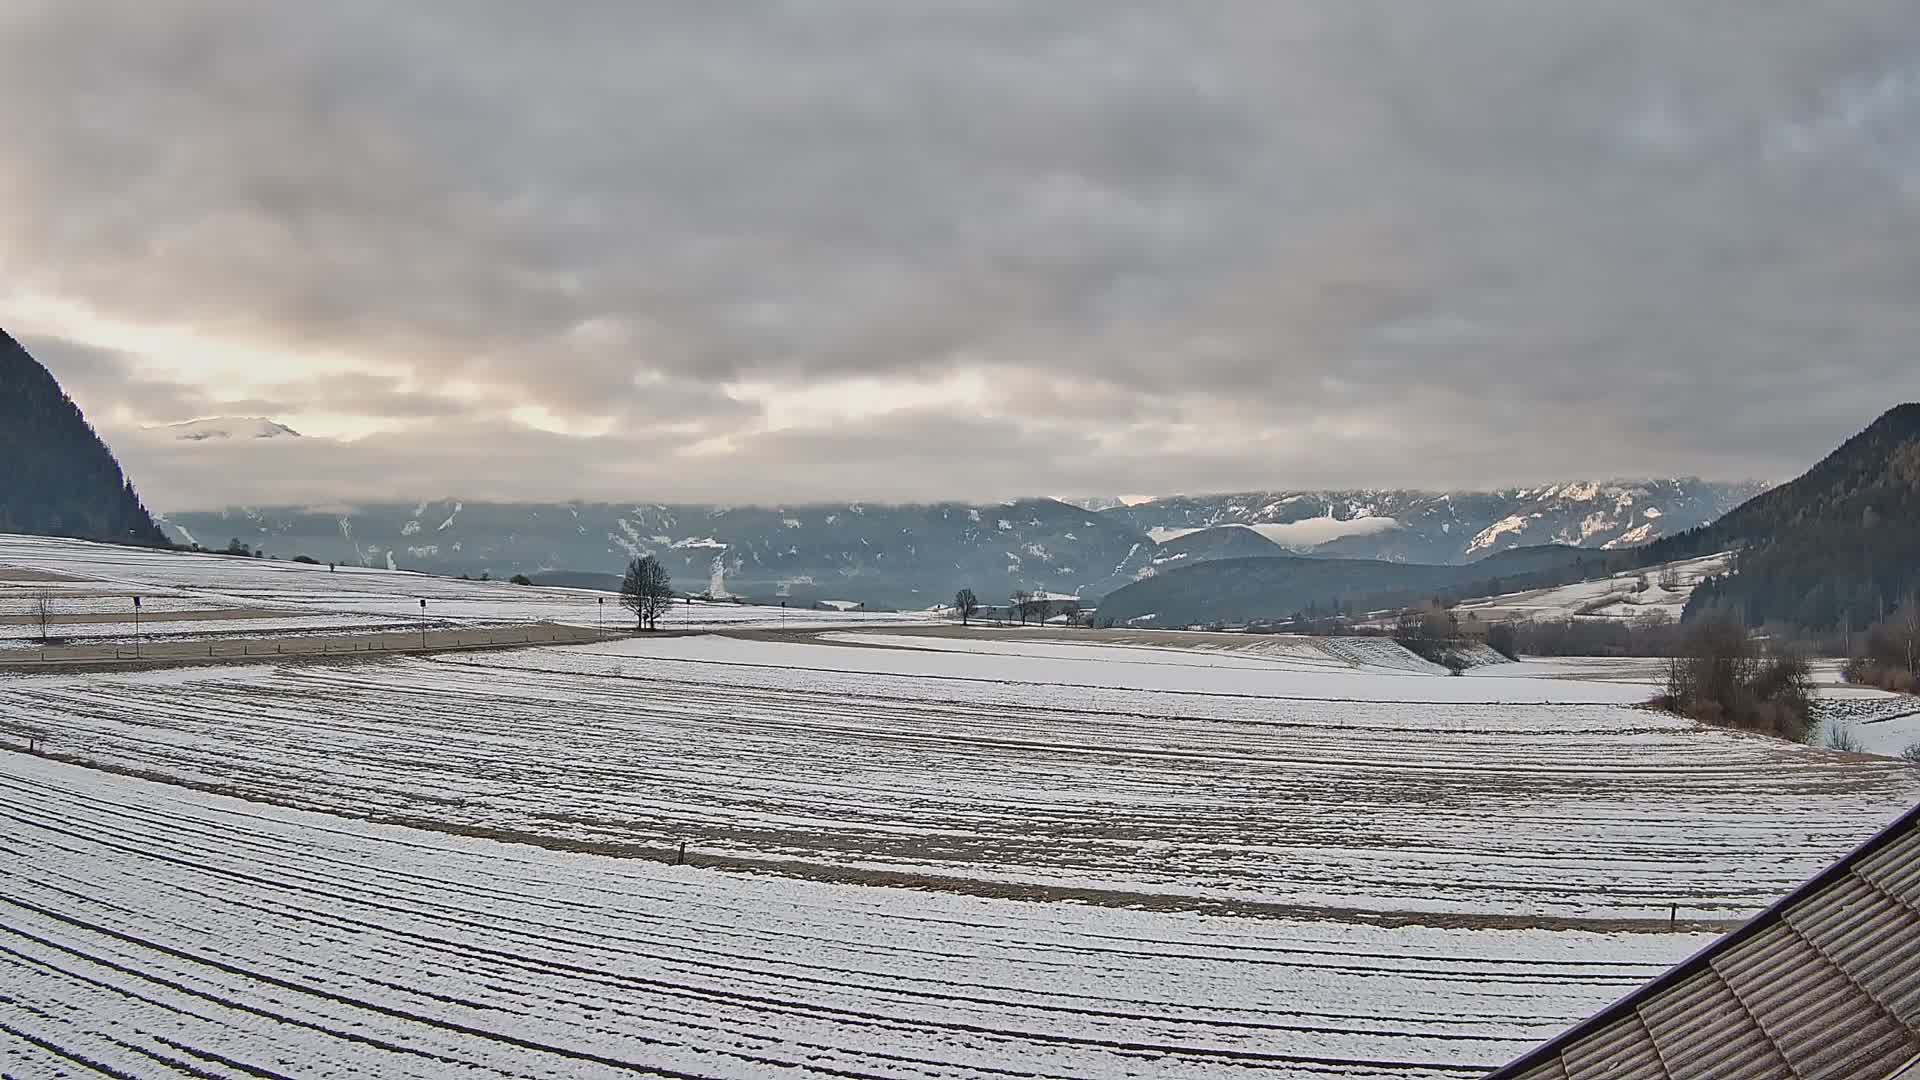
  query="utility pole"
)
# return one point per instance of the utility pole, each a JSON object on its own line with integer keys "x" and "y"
{"x": 603, "y": 616}
{"x": 136, "y": 627}
{"x": 423, "y": 622}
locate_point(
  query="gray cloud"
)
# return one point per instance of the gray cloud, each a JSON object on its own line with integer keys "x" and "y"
{"x": 1236, "y": 244}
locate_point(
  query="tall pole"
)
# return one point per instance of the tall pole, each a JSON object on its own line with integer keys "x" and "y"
{"x": 423, "y": 622}
{"x": 603, "y": 616}
{"x": 136, "y": 627}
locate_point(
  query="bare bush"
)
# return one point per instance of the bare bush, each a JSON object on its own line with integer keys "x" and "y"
{"x": 1888, "y": 655}
{"x": 1431, "y": 633}
{"x": 1841, "y": 737}
{"x": 1720, "y": 677}
{"x": 1504, "y": 638}
{"x": 1654, "y": 633}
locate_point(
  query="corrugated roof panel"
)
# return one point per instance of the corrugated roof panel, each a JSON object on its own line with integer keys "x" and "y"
{"x": 1896, "y": 868}
{"x": 1620, "y": 1051}
{"x": 1704, "y": 1034}
{"x": 1546, "y": 1070}
{"x": 1795, "y": 993}
{"x": 1875, "y": 938}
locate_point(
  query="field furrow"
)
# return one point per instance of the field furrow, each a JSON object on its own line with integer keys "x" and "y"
{"x": 1548, "y": 810}
{"x": 145, "y": 924}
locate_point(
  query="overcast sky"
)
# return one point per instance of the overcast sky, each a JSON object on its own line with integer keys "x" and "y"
{"x": 751, "y": 251}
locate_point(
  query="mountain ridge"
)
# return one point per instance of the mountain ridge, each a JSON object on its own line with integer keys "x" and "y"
{"x": 915, "y": 555}
{"x": 1836, "y": 547}
{"x": 1460, "y": 525}
{"x": 60, "y": 477}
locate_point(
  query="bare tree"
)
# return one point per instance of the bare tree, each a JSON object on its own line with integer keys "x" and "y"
{"x": 1670, "y": 579}
{"x": 43, "y": 613}
{"x": 1022, "y": 603}
{"x": 965, "y": 604}
{"x": 647, "y": 591}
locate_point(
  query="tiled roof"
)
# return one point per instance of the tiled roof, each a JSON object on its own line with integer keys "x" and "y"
{"x": 1826, "y": 983}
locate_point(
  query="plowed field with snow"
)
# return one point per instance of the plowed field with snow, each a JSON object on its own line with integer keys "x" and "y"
{"x": 912, "y": 854}
{"x": 85, "y": 580}
{"x": 151, "y": 931}
{"x": 1197, "y": 780}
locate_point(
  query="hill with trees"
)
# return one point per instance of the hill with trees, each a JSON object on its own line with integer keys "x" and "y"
{"x": 1836, "y": 549}
{"x": 1276, "y": 589}
{"x": 59, "y": 478}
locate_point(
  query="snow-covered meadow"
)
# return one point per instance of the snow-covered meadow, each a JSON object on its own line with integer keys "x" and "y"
{"x": 917, "y": 851}
{"x": 88, "y": 580}
{"x": 156, "y": 931}
{"x": 1183, "y": 777}
{"x": 1662, "y": 589}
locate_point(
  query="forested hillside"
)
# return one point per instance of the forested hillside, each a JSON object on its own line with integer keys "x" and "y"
{"x": 1276, "y": 589}
{"x": 56, "y": 477}
{"x": 1838, "y": 547}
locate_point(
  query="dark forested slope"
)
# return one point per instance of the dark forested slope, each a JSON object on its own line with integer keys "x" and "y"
{"x": 56, "y": 477}
{"x": 1838, "y": 546}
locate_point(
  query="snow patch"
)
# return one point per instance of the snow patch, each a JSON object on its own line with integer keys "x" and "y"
{"x": 1313, "y": 532}
{"x": 1489, "y": 536}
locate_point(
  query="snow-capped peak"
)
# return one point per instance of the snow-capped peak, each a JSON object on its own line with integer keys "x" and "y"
{"x": 229, "y": 427}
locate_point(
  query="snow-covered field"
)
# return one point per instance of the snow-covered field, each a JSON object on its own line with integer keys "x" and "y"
{"x": 918, "y": 851}
{"x": 27, "y": 635}
{"x": 87, "y": 578}
{"x": 157, "y": 931}
{"x": 1618, "y": 597}
{"x": 1192, "y": 780}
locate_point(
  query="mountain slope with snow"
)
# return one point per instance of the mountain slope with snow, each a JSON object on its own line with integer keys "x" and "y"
{"x": 228, "y": 427}
{"x": 905, "y": 556}
{"x": 919, "y": 555}
{"x": 1450, "y": 527}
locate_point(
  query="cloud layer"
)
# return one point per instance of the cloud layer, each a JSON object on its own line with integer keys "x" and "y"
{"x": 972, "y": 249}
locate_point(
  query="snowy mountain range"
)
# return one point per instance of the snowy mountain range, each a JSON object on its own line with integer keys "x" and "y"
{"x": 917, "y": 556}
{"x": 1450, "y": 527}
